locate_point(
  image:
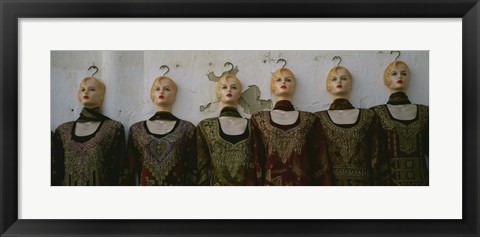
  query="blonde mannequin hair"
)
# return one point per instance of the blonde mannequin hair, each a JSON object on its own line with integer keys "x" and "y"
{"x": 158, "y": 80}
{"x": 332, "y": 73}
{"x": 100, "y": 86}
{"x": 278, "y": 73}
{"x": 392, "y": 66}
{"x": 224, "y": 78}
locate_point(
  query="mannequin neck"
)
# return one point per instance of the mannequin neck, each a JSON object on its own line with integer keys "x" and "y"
{"x": 223, "y": 105}
{"x": 403, "y": 112}
{"x": 348, "y": 116}
{"x": 284, "y": 117}
{"x": 233, "y": 125}
{"x": 394, "y": 91}
{"x": 340, "y": 97}
{"x": 281, "y": 97}
{"x": 163, "y": 108}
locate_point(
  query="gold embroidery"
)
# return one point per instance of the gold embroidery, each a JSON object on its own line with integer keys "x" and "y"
{"x": 348, "y": 146}
{"x": 84, "y": 162}
{"x": 346, "y": 140}
{"x": 408, "y": 171}
{"x": 226, "y": 156}
{"x": 407, "y": 132}
{"x": 285, "y": 143}
{"x": 161, "y": 155}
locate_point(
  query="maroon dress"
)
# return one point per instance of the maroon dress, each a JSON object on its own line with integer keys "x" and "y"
{"x": 161, "y": 159}
{"x": 289, "y": 154}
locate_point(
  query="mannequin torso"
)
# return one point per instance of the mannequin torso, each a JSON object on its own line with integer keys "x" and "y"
{"x": 403, "y": 112}
{"x": 86, "y": 128}
{"x": 284, "y": 117}
{"x": 160, "y": 126}
{"x": 348, "y": 116}
{"x": 233, "y": 125}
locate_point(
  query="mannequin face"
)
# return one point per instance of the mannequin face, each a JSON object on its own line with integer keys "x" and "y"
{"x": 340, "y": 83}
{"x": 91, "y": 93}
{"x": 164, "y": 92}
{"x": 283, "y": 84}
{"x": 229, "y": 91}
{"x": 398, "y": 77}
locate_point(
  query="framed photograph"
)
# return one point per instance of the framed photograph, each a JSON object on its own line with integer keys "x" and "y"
{"x": 38, "y": 38}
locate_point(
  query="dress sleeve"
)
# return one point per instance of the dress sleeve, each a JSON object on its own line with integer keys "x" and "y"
{"x": 133, "y": 156}
{"x": 318, "y": 157}
{"x": 379, "y": 155}
{"x": 259, "y": 156}
{"x": 58, "y": 160}
{"x": 190, "y": 175}
{"x": 203, "y": 159}
{"x": 120, "y": 164}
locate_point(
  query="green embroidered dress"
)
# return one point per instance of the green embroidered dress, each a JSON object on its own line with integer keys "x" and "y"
{"x": 223, "y": 159}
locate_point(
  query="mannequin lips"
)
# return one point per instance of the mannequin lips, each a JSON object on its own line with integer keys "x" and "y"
{"x": 399, "y": 81}
{"x": 86, "y": 97}
{"x": 283, "y": 87}
{"x": 161, "y": 97}
{"x": 339, "y": 86}
{"x": 229, "y": 95}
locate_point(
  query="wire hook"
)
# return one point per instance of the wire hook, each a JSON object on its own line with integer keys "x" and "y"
{"x": 397, "y": 55}
{"x": 339, "y": 59}
{"x": 285, "y": 64}
{"x": 94, "y": 67}
{"x": 164, "y": 66}
{"x": 229, "y": 63}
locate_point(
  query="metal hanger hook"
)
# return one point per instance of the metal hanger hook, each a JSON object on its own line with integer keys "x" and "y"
{"x": 339, "y": 59}
{"x": 164, "y": 66}
{"x": 398, "y": 55}
{"x": 229, "y": 63}
{"x": 285, "y": 64}
{"x": 94, "y": 67}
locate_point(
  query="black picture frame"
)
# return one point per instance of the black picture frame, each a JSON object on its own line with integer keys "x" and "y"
{"x": 11, "y": 11}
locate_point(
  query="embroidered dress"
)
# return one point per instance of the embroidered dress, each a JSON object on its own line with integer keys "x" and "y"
{"x": 407, "y": 144}
{"x": 289, "y": 154}
{"x": 224, "y": 159}
{"x": 161, "y": 159}
{"x": 355, "y": 155}
{"x": 95, "y": 159}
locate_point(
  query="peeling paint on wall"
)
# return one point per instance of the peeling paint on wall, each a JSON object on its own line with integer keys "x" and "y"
{"x": 251, "y": 102}
{"x": 212, "y": 77}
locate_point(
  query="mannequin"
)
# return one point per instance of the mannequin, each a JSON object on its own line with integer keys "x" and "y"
{"x": 90, "y": 150}
{"x": 161, "y": 149}
{"x": 352, "y": 134}
{"x": 224, "y": 154}
{"x": 406, "y": 126}
{"x": 289, "y": 145}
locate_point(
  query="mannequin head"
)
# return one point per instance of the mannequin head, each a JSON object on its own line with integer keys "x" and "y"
{"x": 339, "y": 82}
{"x": 163, "y": 93}
{"x": 91, "y": 92}
{"x": 228, "y": 90}
{"x": 282, "y": 84}
{"x": 396, "y": 76}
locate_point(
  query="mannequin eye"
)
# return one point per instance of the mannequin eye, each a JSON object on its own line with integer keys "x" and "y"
{"x": 279, "y": 79}
{"x": 157, "y": 89}
{"x": 344, "y": 78}
{"x": 288, "y": 80}
{"x": 224, "y": 87}
{"x": 83, "y": 89}
{"x": 394, "y": 73}
{"x": 334, "y": 79}
{"x": 167, "y": 89}
{"x": 404, "y": 74}
{"x": 234, "y": 87}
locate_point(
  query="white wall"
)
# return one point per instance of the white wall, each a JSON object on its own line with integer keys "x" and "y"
{"x": 128, "y": 76}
